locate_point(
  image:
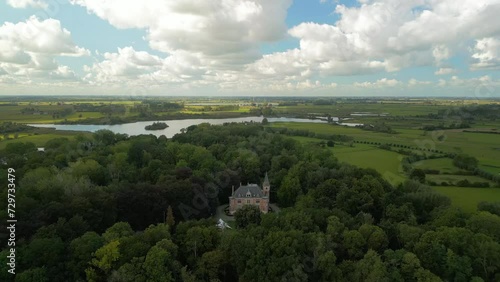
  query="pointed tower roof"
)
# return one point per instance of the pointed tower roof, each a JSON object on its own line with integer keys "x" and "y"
{"x": 266, "y": 180}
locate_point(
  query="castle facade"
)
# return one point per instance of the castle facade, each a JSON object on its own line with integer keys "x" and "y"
{"x": 250, "y": 194}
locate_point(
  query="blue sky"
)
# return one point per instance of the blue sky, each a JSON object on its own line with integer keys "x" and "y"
{"x": 250, "y": 47}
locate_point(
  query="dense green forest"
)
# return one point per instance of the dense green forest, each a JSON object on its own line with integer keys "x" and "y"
{"x": 117, "y": 208}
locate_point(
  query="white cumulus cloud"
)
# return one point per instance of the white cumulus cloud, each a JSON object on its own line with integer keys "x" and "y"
{"x": 28, "y": 49}
{"x": 486, "y": 54}
{"x": 21, "y": 4}
{"x": 217, "y": 44}
{"x": 381, "y": 83}
{"x": 444, "y": 71}
{"x": 390, "y": 35}
{"x": 415, "y": 82}
{"x": 226, "y": 32}
{"x": 35, "y": 36}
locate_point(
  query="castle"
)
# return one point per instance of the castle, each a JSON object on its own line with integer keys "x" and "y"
{"x": 250, "y": 194}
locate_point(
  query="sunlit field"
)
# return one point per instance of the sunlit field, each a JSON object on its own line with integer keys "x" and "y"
{"x": 468, "y": 198}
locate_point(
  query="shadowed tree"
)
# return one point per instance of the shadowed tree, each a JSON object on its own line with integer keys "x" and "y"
{"x": 246, "y": 215}
{"x": 156, "y": 265}
{"x": 289, "y": 191}
{"x": 38, "y": 274}
{"x": 170, "y": 217}
{"x": 418, "y": 175}
{"x": 486, "y": 223}
{"x": 81, "y": 250}
{"x": 354, "y": 243}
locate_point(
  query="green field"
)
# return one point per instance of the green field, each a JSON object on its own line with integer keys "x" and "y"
{"x": 468, "y": 198}
{"x": 43, "y": 136}
{"x": 407, "y": 138}
{"x": 485, "y": 147}
{"x": 13, "y": 113}
{"x": 444, "y": 165}
{"x": 387, "y": 163}
{"x": 198, "y": 110}
{"x": 345, "y": 109}
{"x": 490, "y": 168}
{"x": 45, "y": 110}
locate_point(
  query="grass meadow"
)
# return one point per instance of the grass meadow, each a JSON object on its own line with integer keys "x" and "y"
{"x": 42, "y": 137}
{"x": 444, "y": 165}
{"x": 468, "y": 198}
{"x": 485, "y": 147}
{"x": 385, "y": 162}
{"x": 388, "y": 163}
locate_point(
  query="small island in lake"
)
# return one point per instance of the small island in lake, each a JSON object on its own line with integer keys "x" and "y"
{"x": 156, "y": 126}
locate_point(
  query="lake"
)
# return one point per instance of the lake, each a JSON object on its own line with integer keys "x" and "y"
{"x": 175, "y": 126}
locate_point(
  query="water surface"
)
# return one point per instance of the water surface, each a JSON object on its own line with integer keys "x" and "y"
{"x": 175, "y": 126}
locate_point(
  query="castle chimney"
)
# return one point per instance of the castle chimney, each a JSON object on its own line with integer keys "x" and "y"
{"x": 232, "y": 193}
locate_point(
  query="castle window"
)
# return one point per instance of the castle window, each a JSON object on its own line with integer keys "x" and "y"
{"x": 239, "y": 201}
{"x": 248, "y": 201}
{"x": 257, "y": 201}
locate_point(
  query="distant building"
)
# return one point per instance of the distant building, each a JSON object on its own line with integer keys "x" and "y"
{"x": 250, "y": 194}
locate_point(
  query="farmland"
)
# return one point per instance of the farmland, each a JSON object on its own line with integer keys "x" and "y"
{"x": 444, "y": 165}
{"x": 468, "y": 198}
{"x": 406, "y": 123}
{"x": 386, "y": 163}
{"x": 483, "y": 146}
{"x": 39, "y": 137}
{"x": 108, "y": 111}
{"x": 367, "y": 156}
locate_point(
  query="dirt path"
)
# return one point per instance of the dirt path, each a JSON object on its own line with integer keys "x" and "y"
{"x": 222, "y": 215}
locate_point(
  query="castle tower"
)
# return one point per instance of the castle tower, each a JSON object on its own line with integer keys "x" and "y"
{"x": 266, "y": 186}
